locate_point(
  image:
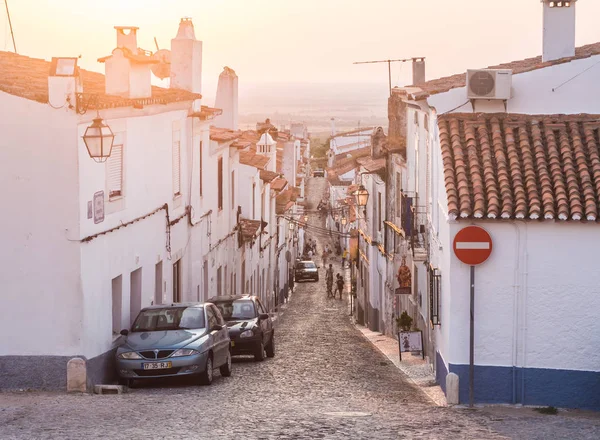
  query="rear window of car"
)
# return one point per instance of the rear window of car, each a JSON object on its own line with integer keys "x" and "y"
{"x": 307, "y": 265}
{"x": 238, "y": 309}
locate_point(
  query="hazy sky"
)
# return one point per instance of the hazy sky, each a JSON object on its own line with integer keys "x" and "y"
{"x": 298, "y": 40}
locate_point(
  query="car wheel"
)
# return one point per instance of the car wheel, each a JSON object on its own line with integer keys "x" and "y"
{"x": 260, "y": 352}
{"x": 270, "y": 348}
{"x": 206, "y": 377}
{"x": 225, "y": 369}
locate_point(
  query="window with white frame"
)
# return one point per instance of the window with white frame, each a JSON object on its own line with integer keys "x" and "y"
{"x": 114, "y": 172}
{"x": 176, "y": 163}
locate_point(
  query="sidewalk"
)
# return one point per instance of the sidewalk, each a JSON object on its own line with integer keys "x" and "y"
{"x": 417, "y": 370}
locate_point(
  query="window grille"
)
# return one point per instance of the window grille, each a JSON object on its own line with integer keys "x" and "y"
{"x": 435, "y": 287}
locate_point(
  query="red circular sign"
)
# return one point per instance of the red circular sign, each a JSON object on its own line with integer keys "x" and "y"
{"x": 472, "y": 245}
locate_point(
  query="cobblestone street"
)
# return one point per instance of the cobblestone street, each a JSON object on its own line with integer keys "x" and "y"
{"x": 326, "y": 381}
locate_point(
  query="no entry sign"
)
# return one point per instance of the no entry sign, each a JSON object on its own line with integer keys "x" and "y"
{"x": 472, "y": 245}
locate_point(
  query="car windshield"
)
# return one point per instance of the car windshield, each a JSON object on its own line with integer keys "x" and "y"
{"x": 169, "y": 318}
{"x": 237, "y": 309}
{"x": 306, "y": 265}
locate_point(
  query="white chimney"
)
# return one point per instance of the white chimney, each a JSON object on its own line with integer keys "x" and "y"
{"x": 127, "y": 38}
{"x": 64, "y": 83}
{"x": 268, "y": 147}
{"x": 333, "y": 132}
{"x": 227, "y": 99}
{"x": 418, "y": 69}
{"x": 559, "y": 29}
{"x": 186, "y": 58}
{"x": 127, "y": 70}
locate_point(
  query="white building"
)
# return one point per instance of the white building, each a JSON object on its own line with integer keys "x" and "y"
{"x": 526, "y": 168}
{"x": 346, "y": 142}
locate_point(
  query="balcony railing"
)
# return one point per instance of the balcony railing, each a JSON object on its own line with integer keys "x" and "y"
{"x": 414, "y": 222}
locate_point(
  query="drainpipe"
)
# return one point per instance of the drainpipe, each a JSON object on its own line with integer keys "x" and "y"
{"x": 515, "y": 335}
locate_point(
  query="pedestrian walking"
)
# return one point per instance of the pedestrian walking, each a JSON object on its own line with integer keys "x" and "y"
{"x": 324, "y": 257}
{"x": 310, "y": 254}
{"x": 344, "y": 257}
{"x": 340, "y": 284}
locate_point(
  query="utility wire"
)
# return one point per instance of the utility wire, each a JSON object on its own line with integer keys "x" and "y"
{"x": 10, "y": 26}
{"x": 571, "y": 79}
{"x": 455, "y": 108}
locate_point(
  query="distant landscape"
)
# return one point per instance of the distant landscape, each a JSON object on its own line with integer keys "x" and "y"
{"x": 351, "y": 105}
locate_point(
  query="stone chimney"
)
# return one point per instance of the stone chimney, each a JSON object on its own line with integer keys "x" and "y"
{"x": 418, "y": 70}
{"x": 227, "y": 100}
{"x": 186, "y": 59}
{"x": 127, "y": 70}
{"x": 397, "y": 119}
{"x": 378, "y": 140}
{"x": 268, "y": 147}
{"x": 333, "y": 132}
{"x": 64, "y": 82}
{"x": 559, "y": 29}
{"x": 127, "y": 38}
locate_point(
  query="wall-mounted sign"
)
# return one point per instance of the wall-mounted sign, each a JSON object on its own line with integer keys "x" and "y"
{"x": 411, "y": 342}
{"x": 99, "y": 207}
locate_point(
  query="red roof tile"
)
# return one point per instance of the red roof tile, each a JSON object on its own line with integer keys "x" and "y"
{"x": 249, "y": 228}
{"x": 283, "y": 200}
{"x": 521, "y": 166}
{"x": 445, "y": 84}
{"x": 223, "y": 134}
{"x": 254, "y": 160}
{"x": 268, "y": 176}
{"x": 28, "y": 78}
{"x": 278, "y": 184}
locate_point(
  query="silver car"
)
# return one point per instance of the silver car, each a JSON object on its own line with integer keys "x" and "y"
{"x": 175, "y": 340}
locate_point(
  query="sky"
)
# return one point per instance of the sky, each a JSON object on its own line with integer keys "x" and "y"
{"x": 301, "y": 41}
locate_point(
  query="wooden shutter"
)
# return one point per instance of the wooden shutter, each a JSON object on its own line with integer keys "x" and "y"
{"x": 114, "y": 172}
{"x": 176, "y": 164}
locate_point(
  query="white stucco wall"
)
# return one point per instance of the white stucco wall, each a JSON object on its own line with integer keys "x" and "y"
{"x": 39, "y": 265}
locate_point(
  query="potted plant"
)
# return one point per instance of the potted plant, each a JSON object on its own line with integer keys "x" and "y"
{"x": 404, "y": 322}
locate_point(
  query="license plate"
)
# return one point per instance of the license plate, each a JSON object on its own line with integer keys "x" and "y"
{"x": 157, "y": 366}
{"x": 233, "y": 343}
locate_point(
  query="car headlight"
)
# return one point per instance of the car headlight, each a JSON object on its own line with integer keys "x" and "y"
{"x": 184, "y": 352}
{"x": 130, "y": 355}
{"x": 247, "y": 334}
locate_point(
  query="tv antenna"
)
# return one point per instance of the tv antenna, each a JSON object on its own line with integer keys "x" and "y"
{"x": 10, "y": 26}
{"x": 389, "y": 63}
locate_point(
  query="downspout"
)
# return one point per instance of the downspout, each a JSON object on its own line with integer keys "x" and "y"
{"x": 515, "y": 312}
{"x": 524, "y": 320}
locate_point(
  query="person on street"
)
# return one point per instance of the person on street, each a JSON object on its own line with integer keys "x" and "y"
{"x": 340, "y": 284}
{"x": 310, "y": 253}
{"x": 329, "y": 279}
{"x": 324, "y": 257}
{"x": 290, "y": 282}
{"x": 344, "y": 257}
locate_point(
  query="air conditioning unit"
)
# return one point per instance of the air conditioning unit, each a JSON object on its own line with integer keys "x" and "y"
{"x": 489, "y": 84}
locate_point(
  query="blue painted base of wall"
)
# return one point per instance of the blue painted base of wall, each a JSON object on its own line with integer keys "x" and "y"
{"x": 529, "y": 386}
{"x": 440, "y": 371}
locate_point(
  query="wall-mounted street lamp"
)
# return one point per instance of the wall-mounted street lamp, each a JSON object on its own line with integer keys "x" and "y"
{"x": 305, "y": 218}
{"x": 344, "y": 221}
{"x": 98, "y": 139}
{"x": 292, "y": 226}
{"x": 362, "y": 196}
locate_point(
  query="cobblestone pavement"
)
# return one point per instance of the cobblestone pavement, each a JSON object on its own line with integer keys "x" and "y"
{"x": 325, "y": 382}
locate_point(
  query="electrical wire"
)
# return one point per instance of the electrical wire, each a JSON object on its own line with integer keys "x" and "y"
{"x": 456, "y": 108}
{"x": 579, "y": 74}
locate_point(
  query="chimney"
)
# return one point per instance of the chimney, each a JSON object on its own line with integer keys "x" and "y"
{"x": 127, "y": 38}
{"x": 268, "y": 147}
{"x": 418, "y": 69}
{"x": 378, "y": 140}
{"x": 559, "y": 29}
{"x": 127, "y": 70}
{"x": 227, "y": 100}
{"x": 333, "y": 132}
{"x": 64, "y": 83}
{"x": 186, "y": 58}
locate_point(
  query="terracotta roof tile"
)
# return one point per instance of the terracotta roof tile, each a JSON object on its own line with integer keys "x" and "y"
{"x": 254, "y": 160}
{"x": 223, "y": 134}
{"x": 279, "y": 184}
{"x": 283, "y": 201}
{"x": 268, "y": 176}
{"x": 249, "y": 228}
{"x": 447, "y": 83}
{"x": 521, "y": 166}
{"x": 28, "y": 78}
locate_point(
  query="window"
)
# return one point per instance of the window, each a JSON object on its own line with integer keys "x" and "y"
{"x": 177, "y": 281}
{"x": 435, "y": 287}
{"x": 261, "y": 309}
{"x": 233, "y": 190}
{"x": 237, "y": 309}
{"x": 254, "y": 201}
{"x": 176, "y": 164}
{"x": 219, "y": 316}
{"x": 169, "y": 318}
{"x": 220, "y": 183}
{"x": 200, "y": 169}
{"x": 135, "y": 294}
{"x": 211, "y": 318}
{"x": 379, "y": 207}
{"x": 114, "y": 172}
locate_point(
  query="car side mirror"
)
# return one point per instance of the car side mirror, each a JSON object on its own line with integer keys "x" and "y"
{"x": 263, "y": 316}
{"x": 124, "y": 332}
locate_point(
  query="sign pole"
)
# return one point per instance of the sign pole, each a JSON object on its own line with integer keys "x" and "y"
{"x": 472, "y": 340}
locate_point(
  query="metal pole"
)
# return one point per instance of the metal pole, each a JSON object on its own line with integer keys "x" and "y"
{"x": 472, "y": 340}
{"x": 390, "y": 75}
{"x": 10, "y": 25}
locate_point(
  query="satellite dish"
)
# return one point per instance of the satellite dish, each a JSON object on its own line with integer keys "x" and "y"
{"x": 162, "y": 69}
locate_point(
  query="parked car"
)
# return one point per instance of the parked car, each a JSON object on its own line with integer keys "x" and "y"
{"x": 175, "y": 340}
{"x": 306, "y": 270}
{"x": 319, "y": 172}
{"x": 250, "y": 326}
